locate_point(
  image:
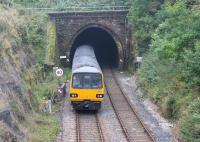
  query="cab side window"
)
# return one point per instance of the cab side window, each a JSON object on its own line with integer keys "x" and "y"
{"x": 76, "y": 82}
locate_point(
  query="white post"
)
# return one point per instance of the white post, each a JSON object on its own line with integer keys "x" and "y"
{"x": 49, "y": 105}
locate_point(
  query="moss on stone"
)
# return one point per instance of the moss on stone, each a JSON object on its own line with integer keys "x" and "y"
{"x": 51, "y": 48}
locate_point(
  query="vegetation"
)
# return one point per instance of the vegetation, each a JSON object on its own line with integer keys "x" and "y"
{"x": 8, "y": 29}
{"x": 19, "y": 30}
{"x": 48, "y": 86}
{"x": 190, "y": 122}
{"x": 51, "y": 49}
{"x": 40, "y": 84}
{"x": 144, "y": 18}
{"x": 34, "y": 32}
{"x": 167, "y": 35}
{"x": 61, "y": 4}
{"x": 41, "y": 125}
{"x": 42, "y": 128}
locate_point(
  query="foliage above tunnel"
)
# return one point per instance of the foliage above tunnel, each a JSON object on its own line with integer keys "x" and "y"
{"x": 61, "y": 4}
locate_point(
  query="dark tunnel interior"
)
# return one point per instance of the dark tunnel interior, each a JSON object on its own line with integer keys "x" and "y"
{"x": 103, "y": 43}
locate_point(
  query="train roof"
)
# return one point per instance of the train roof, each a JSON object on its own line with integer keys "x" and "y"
{"x": 86, "y": 69}
{"x": 85, "y": 61}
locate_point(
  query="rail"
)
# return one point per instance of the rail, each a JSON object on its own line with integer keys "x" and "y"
{"x": 133, "y": 109}
{"x": 79, "y": 138}
{"x": 77, "y": 127}
{"x": 124, "y": 99}
{"x": 118, "y": 116}
{"x": 99, "y": 128}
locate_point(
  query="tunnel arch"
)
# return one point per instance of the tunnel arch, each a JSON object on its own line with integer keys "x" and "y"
{"x": 106, "y": 43}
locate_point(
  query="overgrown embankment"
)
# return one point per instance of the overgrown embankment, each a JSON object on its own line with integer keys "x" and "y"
{"x": 168, "y": 36}
{"x": 22, "y": 52}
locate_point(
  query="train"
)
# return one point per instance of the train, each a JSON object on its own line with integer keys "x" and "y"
{"x": 87, "y": 87}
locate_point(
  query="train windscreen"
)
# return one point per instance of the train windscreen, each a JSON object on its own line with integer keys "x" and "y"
{"x": 87, "y": 81}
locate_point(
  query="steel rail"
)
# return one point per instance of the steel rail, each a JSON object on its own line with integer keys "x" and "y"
{"x": 99, "y": 128}
{"x": 133, "y": 109}
{"x": 77, "y": 127}
{"x": 118, "y": 116}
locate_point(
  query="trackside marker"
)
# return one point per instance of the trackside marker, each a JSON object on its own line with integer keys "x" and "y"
{"x": 139, "y": 59}
{"x": 59, "y": 72}
{"x": 63, "y": 57}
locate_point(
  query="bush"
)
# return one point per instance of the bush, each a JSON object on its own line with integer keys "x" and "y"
{"x": 170, "y": 71}
{"x": 191, "y": 67}
{"x": 145, "y": 18}
{"x": 178, "y": 32}
{"x": 34, "y": 32}
{"x": 190, "y": 122}
{"x": 170, "y": 107}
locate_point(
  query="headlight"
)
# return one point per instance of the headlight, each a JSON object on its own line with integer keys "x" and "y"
{"x": 74, "y": 95}
{"x": 99, "y": 95}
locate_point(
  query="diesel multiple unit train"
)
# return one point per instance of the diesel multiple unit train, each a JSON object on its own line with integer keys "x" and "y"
{"x": 87, "y": 83}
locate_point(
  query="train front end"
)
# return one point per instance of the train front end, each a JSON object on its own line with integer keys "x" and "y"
{"x": 86, "y": 89}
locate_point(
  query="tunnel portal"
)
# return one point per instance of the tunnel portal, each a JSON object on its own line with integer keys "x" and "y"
{"x": 105, "y": 47}
{"x": 109, "y": 32}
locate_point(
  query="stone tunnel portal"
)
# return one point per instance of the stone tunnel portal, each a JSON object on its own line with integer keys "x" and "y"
{"x": 104, "y": 45}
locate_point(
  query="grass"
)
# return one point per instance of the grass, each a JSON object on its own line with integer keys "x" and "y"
{"x": 45, "y": 88}
{"x": 42, "y": 127}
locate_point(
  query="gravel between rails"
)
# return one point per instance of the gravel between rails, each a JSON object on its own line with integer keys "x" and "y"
{"x": 147, "y": 110}
{"x": 109, "y": 123}
{"x": 88, "y": 128}
{"x": 134, "y": 129}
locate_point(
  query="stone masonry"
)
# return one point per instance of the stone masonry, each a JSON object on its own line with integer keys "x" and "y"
{"x": 70, "y": 24}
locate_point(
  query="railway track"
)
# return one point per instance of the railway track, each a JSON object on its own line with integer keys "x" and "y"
{"x": 133, "y": 128}
{"x": 88, "y": 128}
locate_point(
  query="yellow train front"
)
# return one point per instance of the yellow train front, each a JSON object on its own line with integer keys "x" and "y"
{"x": 87, "y": 84}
